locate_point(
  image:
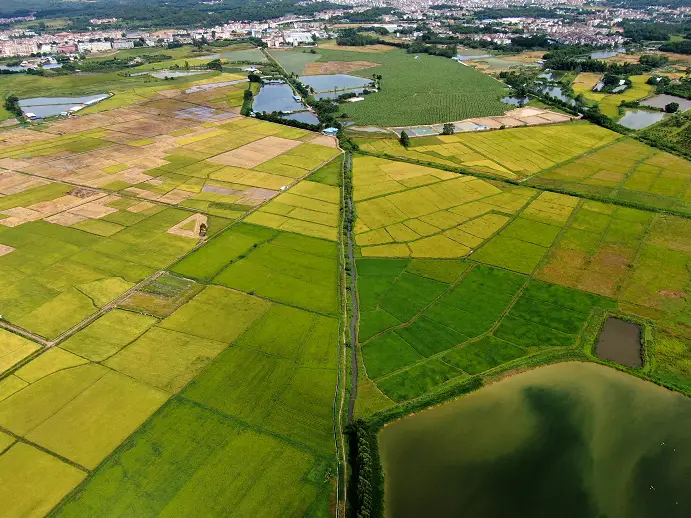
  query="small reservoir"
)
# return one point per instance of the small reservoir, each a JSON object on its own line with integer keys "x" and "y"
{"x": 330, "y": 82}
{"x": 620, "y": 341}
{"x": 639, "y": 119}
{"x": 660, "y": 101}
{"x": 276, "y": 98}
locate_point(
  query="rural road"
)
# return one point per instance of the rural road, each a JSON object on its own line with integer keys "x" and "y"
{"x": 353, "y": 297}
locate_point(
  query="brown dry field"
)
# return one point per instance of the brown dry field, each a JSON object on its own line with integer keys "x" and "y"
{"x": 255, "y": 153}
{"x": 526, "y": 57}
{"x": 374, "y": 49}
{"x": 337, "y": 67}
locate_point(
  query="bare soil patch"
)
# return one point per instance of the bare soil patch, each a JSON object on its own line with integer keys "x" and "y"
{"x": 189, "y": 227}
{"x": 337, "y": 67}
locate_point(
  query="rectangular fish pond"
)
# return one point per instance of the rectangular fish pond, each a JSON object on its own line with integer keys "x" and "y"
{"x": 620, "y": 342}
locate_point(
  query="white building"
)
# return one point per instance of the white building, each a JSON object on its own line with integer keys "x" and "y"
{"x": 123, "y": 44}
{"x": 94, "y": 46}
{"x": 298, "y": 38}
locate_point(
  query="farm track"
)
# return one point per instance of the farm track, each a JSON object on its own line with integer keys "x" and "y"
{"x": 350, "y": 216}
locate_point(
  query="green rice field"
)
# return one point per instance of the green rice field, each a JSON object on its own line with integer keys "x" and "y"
{"x": 175, "y": 287}
{"x": 141, "y": 319}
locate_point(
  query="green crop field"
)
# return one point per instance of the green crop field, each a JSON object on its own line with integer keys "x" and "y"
{"x": 478, "y": 319}
{"x": 543, "y": 270}
{"x": 419, "y": 89}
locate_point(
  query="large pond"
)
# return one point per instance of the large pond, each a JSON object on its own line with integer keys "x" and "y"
{"x": 332, "y": 82}
{"x": 276, "y": 98}
{"x": 639, "y": 119}
{"x": 570, "y": 441}
{"x": 50, "y": 106}
{"x": 660, "y": 101}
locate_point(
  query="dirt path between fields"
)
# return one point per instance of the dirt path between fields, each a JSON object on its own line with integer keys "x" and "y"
{"x": 353, "y": 295}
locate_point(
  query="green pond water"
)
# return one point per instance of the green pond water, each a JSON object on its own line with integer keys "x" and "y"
{"x": 569, "y": 440}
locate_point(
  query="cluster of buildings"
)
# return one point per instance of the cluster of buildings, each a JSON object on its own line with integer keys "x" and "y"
{"x": 588, "y": 27}
{"x": 25, "y": 43}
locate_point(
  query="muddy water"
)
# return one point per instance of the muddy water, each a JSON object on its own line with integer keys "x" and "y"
{"x": 570, "y": 440}
{"x": 620, "y": 342}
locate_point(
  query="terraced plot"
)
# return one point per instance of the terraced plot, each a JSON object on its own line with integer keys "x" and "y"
{"x": 523, "y": 243}
{"x": 509, "y": 153}
{"x": 170, "y": 151}
{"x": 56, "y": 275}
{"x": 311, "y": 208}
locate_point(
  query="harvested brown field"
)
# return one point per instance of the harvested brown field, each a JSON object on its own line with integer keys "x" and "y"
{"x": 256, "y": 153}
{"x": 337, "y": 67}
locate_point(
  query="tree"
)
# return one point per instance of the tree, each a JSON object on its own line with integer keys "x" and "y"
{"x": 653, "y": 60}
{"x": 671, "y": 107}
{"x": 248, "y": 95}
{"x": 254, "y": 78}
{"x": 449, "y": 129}
{"x": 215, "y": 64}
{"x": 12, "y": 105}
{"x": 405, "y": 139}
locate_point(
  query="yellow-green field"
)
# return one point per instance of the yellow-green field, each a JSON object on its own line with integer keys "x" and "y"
{"x": 406, "y": 210}
{"x": 510, "y": 153}
{"x": 123, "y": 357}
{"x": 626, "y": 170}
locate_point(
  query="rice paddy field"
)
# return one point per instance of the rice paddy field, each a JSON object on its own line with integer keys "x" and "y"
{"x": 511, "y": 153}
{"x": 171, "y": 339}
{"x": 536, "y": 275}
{"x": 169, "y": 297}
{"x": 577, "y": 157}
{"x": 626, "y": 170}
{"x": 415, "y": 89}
